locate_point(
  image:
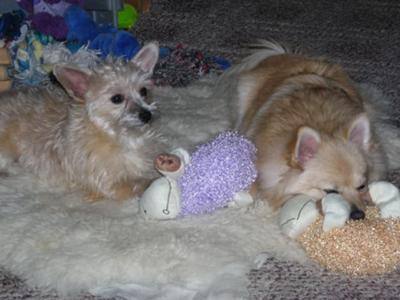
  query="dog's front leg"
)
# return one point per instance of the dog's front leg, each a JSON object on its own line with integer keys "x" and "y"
{"x": 127, "y": 189}
{"x": 120, "y": 190}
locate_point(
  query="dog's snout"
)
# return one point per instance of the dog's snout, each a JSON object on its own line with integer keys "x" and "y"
{"x": 145, "y": 116}
{"x": 356, "y": 214}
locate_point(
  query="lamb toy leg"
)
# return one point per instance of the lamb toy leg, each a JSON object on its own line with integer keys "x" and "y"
{"x": 336, "y": 211}
{"x": 386, "y": 197}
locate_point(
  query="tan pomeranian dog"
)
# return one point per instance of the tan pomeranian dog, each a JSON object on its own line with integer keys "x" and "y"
{"x": 311, "y": 127}
{"x": 96, "y": 136}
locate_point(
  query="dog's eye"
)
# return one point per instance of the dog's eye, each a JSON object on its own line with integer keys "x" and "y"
{"x": 117, "y": 99}
{"x": 362, "y": 188}
{"x": 143, "y": 92}
{"x": 331, "y": 191}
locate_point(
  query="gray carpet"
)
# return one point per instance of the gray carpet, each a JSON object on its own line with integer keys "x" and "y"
{"x": 363, "y": 35}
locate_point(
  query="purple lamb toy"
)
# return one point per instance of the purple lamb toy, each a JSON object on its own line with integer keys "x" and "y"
{"x": 217, "y": 171}
{"x": 217, "y": 174}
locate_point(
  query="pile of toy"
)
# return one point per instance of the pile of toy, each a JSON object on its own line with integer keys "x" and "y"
{"x": 63, "y": 24}
{"x": 46, "y": 32}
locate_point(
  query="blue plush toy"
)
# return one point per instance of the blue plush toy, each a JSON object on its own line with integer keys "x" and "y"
{"x": 81, "y": 28}
{"x": 106, "y": 39}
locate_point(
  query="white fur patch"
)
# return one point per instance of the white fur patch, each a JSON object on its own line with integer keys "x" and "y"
{"x": 55, "y": 241}
{"x": 246, "y": 89}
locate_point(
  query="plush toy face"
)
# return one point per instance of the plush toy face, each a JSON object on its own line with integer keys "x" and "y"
{"x": 161, "y": 200}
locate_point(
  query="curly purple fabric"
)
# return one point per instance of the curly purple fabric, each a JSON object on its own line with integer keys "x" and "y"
{"x": 217, "y": 171}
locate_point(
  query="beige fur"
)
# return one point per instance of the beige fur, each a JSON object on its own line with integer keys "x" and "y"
{"x": 311, "y": 129}
{"x": 81, "y": 138}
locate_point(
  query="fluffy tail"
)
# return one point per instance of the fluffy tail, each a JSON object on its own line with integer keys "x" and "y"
{"x": 226, "y": 86}
{"x": 261, "y": 50}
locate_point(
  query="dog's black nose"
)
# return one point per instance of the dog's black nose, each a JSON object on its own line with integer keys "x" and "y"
{"x": 357, "y": 214}
{"x": 145, "y": 116}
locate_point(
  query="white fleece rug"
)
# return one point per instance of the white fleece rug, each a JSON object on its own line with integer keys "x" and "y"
{"x": 56, "y": 241}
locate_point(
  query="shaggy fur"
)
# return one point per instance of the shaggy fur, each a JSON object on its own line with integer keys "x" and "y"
{"x": 55, "y": 241}
{"x": 98, "y": 136}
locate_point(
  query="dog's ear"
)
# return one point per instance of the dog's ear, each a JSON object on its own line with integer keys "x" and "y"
{"x": 74, "y": 81}
{"x": 359, "y": 132}
{"x": 147, "y": 57}
{"x": 307, "y": 144}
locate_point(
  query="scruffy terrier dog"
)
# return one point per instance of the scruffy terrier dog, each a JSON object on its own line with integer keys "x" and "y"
{"x": 97, "y": 136}
{"x": 311, "y": 127}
